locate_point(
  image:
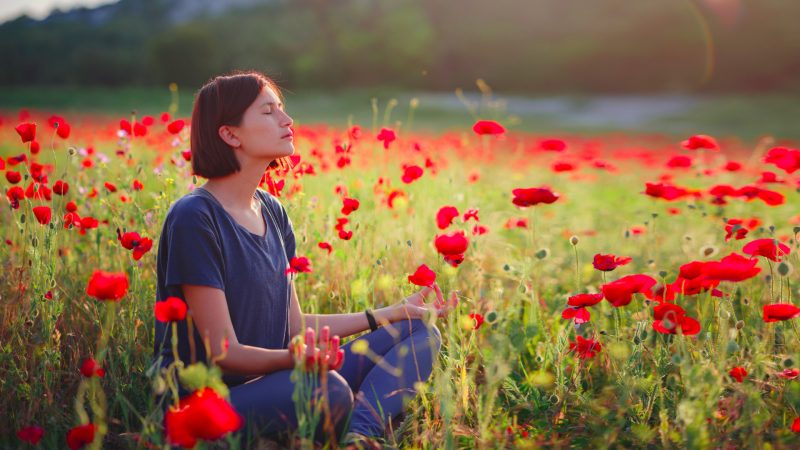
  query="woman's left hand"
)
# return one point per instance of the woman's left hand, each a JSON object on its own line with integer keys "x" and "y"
{"x": 414, "y": 306}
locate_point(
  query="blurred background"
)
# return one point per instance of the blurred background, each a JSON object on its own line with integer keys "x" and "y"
{"x": 677, "y": 66}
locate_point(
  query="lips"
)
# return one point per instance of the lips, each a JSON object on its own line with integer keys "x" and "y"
{"x": 287, "y": 135}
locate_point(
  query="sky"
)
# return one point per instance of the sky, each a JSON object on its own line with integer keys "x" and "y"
{"x": 10, "y": 9}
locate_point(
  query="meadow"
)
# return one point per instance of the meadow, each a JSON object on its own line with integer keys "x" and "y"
{"x": 616, "y": 290}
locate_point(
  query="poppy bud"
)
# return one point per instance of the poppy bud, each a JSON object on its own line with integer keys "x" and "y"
{"x": 574, "y": 240}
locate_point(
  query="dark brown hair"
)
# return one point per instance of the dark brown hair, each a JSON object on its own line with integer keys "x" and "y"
{"x": 223, "y": 101}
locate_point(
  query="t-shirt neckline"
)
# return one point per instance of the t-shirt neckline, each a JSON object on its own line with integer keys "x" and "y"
{"x": 255, "y": 196}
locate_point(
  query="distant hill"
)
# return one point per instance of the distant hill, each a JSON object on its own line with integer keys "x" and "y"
{"x": 175, "y": 11}
{"x": 535, "y": 46}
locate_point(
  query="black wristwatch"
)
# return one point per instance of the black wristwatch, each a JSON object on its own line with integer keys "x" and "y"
{"x": 371, "y": 319}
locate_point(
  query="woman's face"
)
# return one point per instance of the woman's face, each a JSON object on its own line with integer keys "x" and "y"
{"x": 265, "y": 132}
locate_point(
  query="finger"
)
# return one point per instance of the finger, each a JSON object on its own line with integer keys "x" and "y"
{"x": 418, "y": 298}
{"x": 339, "y": 359}
{"x": 453, "y": 302}
{"x": 324, "y": 337}
{"x": 335, "y": 341}
{"x": 310, "y": 344}
{"x": 439, "y": 296}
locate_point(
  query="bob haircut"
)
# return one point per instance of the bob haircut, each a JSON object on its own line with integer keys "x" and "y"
{"x": 223, "y": 101}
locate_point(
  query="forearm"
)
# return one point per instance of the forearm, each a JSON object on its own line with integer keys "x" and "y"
{"x": 345, "y": 325}
{"x": 249, "y": 360}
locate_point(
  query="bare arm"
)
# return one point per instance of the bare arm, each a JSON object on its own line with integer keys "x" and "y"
{"x": 348, "y": 324}
{"x": 212, "y": 318}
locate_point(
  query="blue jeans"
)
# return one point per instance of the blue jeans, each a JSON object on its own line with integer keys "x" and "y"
{"x": 362, "y": 396}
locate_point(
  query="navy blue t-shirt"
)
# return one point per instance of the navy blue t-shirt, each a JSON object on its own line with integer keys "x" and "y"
{"x": 201, "y": 244}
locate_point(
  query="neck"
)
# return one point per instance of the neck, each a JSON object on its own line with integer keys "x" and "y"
{"x": 237, "y": 189}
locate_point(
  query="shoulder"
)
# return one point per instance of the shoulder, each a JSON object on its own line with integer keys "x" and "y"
{"x": 191, "y": 209}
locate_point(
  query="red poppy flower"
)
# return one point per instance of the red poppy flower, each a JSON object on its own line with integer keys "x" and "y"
{"x": 299, "y": 264}
{"x": 170, "y": 310}
{"x": 562, "y": 166}
{"x": 140, "y": 250}
{"x": 738, "y": 373}
{"x": 607, "y": 263}
{"x": 483, "y": 127}
{"x": 38, "y": 191}
{"x": 387, "y": 135}
{"x": 585, "y": 348}
{"x": 125, "y": 126}
{"x": 679, "y": 162}
{"x": 349, "y": 205}
{"x": 26, "y": 131}
{"x": 780, "y": 311}
{"x": 666, "y": 191}
{"x": 471, "y": 213}
{"x": 176, "y": 126}
{"x": 445, "y": 216}
{"x": 789, "y": 374}
{"x": 513, "y": 222}
{"x": 202, "y": 415}
{"x": 455, "y": 243}
{"x": 478, "y": 319}
{"x": 90, "y": 368}
{"x": 553, "y": 145}
{"x": 533, "y": 196}
{"x": 620, "y": 292}
{"x": 107, "y": 285}
{"x": 43, "y": 214}
{"x": 393, "y": 196}
{"x": 580, "y": 315}
{"x": 81, "y": 435}
{"x": 31, "y": 434}
{"x": 478, "y": 230}
{"x": 768, "y": 248}
{"x": 110, "y": 186}
{"x": 796, "y": 425}
{"x": 771, "y": 198}
{"x": 13, "y": 177}
{"x": 411, "y": 174}
{"x": 137, "y": 185}
{"x": 345, "y": 235}
{"x": 139, "y": 129}
{"x": 325, "y": 246}
{"x": 14, "y": 195}
{"x": 61, "y": 187}
{"x": 423, "y": 276}
{"x": 784, "y": 158}
{"x": 584, "y": 300}
{"x": 732, "y": 166}
{"x": 735, "y": 226}
{"x": 700, "y": 141}
{"x": 670, "y": 317}
{"x": 733, "y": 267}
{"x": 63, "y": 130}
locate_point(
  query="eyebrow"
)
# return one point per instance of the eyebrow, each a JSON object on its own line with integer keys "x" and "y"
{"x": 272, "y": 104}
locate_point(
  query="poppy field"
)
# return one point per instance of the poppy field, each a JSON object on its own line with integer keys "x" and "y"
{"x": 614, "y": 290}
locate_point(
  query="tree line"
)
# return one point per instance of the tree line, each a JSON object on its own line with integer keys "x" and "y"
{"x": 532, "y": 46}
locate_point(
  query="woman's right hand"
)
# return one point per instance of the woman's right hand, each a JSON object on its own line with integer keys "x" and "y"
{"x": 317, "y": 356}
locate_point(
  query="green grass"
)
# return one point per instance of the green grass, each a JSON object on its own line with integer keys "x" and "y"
{"x": 644, "y": 389}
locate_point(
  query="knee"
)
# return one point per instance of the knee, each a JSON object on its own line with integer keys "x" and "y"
{"x": 340, "y": 396}
{"x": 419, "y": 327}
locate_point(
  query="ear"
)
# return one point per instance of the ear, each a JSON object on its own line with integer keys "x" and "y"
{"x": 227, "y": 135}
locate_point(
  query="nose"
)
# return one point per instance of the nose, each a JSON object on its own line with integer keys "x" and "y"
{"x": 287, "y": 121}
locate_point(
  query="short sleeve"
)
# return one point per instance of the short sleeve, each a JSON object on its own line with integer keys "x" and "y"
{"x": 194, "y": 255}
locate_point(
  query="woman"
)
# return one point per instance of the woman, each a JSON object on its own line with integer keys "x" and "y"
{"x": 225, "y": 248}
